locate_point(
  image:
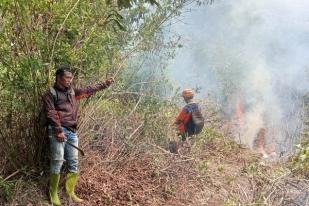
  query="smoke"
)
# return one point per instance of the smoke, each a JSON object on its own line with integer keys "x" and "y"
{"x": 255, "y": 53}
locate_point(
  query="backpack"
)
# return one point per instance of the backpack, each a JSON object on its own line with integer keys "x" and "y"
{"x": 198, "y": 120}
{"x": 42, "y": 119}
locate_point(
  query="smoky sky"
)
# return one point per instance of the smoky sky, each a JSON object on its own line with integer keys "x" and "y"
{"x": 255, "y": 51}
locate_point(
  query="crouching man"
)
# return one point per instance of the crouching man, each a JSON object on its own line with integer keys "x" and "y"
{"x": 190, "y": 120}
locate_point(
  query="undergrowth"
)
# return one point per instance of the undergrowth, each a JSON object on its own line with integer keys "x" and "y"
{"x": 7, "y": 189}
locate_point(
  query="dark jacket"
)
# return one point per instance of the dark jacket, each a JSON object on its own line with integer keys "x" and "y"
{"x": 62, "y": 111}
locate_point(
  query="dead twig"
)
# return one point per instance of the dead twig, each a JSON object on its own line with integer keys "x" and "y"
{"x": 11, "y": 175}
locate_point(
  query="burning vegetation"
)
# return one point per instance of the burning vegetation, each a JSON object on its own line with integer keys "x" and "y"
{"x": 262, "y": 141}
{"x": 125, "y": 132}
{"x": 127, "y": 167}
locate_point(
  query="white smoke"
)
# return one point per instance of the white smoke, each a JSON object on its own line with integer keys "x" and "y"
{"x": 255, "y": 51}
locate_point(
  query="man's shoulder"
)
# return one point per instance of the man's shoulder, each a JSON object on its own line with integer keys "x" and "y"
{"x": 46, "y": 93}
{"x": 49, "y": 92}
{"x": 191, "y": 106}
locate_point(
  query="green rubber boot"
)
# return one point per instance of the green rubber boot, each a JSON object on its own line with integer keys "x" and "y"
{"x": 70, "y": 184}
{"x": 53, "y": 189}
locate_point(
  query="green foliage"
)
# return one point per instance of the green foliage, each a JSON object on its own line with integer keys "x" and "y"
{"x": 202, "y": 166}
{"x": 158, "y": 124}
{"x": 220, "y": 168}
{"x": 233, "y": 201}
{"x": 6, "y": 189}
{"x": 302, "y": 159}
{"x": 230, "y": 179}
{"x": 253, "y": 169}
{"x": 304, "y": 153}
{"x": 95, "y": 38}
{"x": 130, "y": 3}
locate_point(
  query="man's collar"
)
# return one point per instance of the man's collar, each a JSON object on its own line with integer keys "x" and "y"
{"x": 190, "y": 101}
{"x": 61, "y": 88}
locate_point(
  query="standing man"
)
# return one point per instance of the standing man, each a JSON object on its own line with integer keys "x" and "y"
{"x": 185, "y": 125}
{"x": 60, "y": 104}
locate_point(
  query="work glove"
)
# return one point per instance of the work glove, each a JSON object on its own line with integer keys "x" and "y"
{"x": 109, "y": 81}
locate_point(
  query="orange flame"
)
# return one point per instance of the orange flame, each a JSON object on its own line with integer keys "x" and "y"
{"x": 260, "y": 139}
{"x": 239, "y": 113}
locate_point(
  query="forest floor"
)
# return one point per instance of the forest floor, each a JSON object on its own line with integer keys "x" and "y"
{"x": 214, "y": 172}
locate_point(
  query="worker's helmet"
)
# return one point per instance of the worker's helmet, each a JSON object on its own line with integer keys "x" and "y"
{"x": 187, "y": 93}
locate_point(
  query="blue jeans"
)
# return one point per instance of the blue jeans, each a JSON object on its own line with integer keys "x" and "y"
{"x": 60, "y": 151}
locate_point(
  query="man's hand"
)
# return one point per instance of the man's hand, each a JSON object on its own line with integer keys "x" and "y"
{"x": 109, "y": 81}
{"x": 60, "y": 137}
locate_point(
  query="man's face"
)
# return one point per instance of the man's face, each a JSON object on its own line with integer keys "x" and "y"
{"x": 186, "y": 99}
{"x": 66, "y": 79}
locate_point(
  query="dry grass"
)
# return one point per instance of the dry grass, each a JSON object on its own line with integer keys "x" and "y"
{"x": 217, "y": 174}
{"x": 128, "y": 167}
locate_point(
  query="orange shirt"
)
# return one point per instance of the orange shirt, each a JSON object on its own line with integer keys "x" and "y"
{"x": 183, "y": 119}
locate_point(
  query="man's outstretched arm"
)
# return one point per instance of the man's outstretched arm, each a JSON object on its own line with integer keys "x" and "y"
{"x": 91, "y": 90}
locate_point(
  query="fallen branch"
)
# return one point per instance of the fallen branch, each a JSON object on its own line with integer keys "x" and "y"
{"x": 11, "y": 175}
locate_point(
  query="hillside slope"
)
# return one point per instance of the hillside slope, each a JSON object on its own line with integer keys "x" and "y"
{"x": 215, "y": 171}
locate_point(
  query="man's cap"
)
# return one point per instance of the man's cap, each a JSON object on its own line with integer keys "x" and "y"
{"x": 187, "y": 93}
